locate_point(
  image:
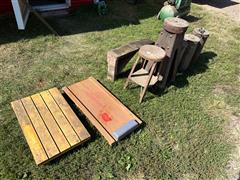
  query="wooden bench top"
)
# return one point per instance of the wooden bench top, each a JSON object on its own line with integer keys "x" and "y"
{"x": 129, "y": 48}
{"x": 49, "y": 124}
{"x": 112, "y": 119}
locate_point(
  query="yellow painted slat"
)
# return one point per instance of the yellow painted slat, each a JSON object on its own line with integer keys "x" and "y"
{"x": 60, "y": 118}
{"x": 70, "y": 115}
{"x": 50, "y": 122}
{"x": 31, "y": 137}
{"x": 41, "y": 129}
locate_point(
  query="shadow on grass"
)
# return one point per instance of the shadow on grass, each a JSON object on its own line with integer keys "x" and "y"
{"x": 216, "y": 3}
{"x": 83, "y": 19}
{"x": 181, "y": 79}
{"x": 198, "y": 68}
{"x": 191, "y": 18}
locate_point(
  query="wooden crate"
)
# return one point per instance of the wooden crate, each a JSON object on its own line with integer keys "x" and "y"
{"x": 112, "y": 119}
{"x": 49, "y": 125}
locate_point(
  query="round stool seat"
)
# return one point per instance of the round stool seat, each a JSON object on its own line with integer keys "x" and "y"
{"x": 175, "y": 25}
{"x": 152, "y": 53}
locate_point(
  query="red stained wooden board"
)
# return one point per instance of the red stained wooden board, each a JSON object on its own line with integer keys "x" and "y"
{"x": 104, "y": 110}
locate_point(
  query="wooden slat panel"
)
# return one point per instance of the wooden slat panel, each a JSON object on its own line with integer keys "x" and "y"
{"x": 31, "y": 137}
{"x": 60, "y": 118}
{"x": 49, "y": 120}
{"x": 42, "y": 131}
{"x": 94, "y": 121}
{"x": 70, "y": 115}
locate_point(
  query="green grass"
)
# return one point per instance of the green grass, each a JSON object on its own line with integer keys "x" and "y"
{"x": 185, "y": 128}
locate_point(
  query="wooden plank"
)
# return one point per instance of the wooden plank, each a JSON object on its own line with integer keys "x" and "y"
{"x": 85, "y": 111}
{"x": 116, "y": 100}
{"x": 60, "y": 118}
{"x": 31, "y": 136}
{"x": 41, "y": 129}
{"x": 50, "y": 122}
{"x": 141, "y": 76}
{"x": 70, "y": 115}
{"x": 131, "y": 47}
{"x": 98, "y": 104}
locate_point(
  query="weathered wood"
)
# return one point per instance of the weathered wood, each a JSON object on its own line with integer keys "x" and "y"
{"x": 145, "y": 77}
{"x": 30, "y": 134}
{"x": 90, "y": 116}
{"x": 175, "y": 25}
{"x": 48, "y": 124}
{"x": 40, "y": 128}
{"x": 192, "y": 43}
{"x": 170, "y": 40}
{"x": 69, "y": 114}
{"x": 203, "y": 34}
{"x": 118, "y": 58}
{"x": 102, "y": 109}
{"x": 60, "y": 118}
{"x": 152, "y": 53}
{"x": 140, "y": 77}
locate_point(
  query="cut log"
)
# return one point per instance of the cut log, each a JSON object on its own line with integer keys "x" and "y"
{"x": 192, "y": 44}
{"x": 203, "y": 34}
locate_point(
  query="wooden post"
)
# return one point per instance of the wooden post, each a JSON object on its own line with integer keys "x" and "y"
{"x": 178, "y": 61}
{"x": 192, "y": 44}
{"x": 203, "y": 34}
{"x": 170, "y": 40}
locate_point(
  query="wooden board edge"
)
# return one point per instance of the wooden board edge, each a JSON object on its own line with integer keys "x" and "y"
{"x": 91, "y": 118}
{"x": 64, "y": 152}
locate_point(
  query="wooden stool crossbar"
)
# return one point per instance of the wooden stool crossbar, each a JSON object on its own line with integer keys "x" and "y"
{"x": 145, "y": 77}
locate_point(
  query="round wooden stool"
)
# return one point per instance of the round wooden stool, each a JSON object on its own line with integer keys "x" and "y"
{"x": 145, "y": 77}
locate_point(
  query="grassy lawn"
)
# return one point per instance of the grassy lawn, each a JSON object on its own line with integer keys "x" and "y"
{"x": 187, "y": 133}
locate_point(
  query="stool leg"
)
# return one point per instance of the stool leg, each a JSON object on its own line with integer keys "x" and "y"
{"x": 143, "y": 92}
{"x": 144, "y": 63}
{"x": 130, "y": 74}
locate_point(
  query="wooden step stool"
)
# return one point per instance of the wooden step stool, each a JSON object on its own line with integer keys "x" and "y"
{"x": 145, "y": 77}
{"x": 118, "y": 58}
{"x": 111, "y": 118}
{"x": 49, "y": 125}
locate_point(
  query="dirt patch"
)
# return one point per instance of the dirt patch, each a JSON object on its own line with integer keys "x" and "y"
{"x": 230, "y": 8}
{"x": 219, "y": 108}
